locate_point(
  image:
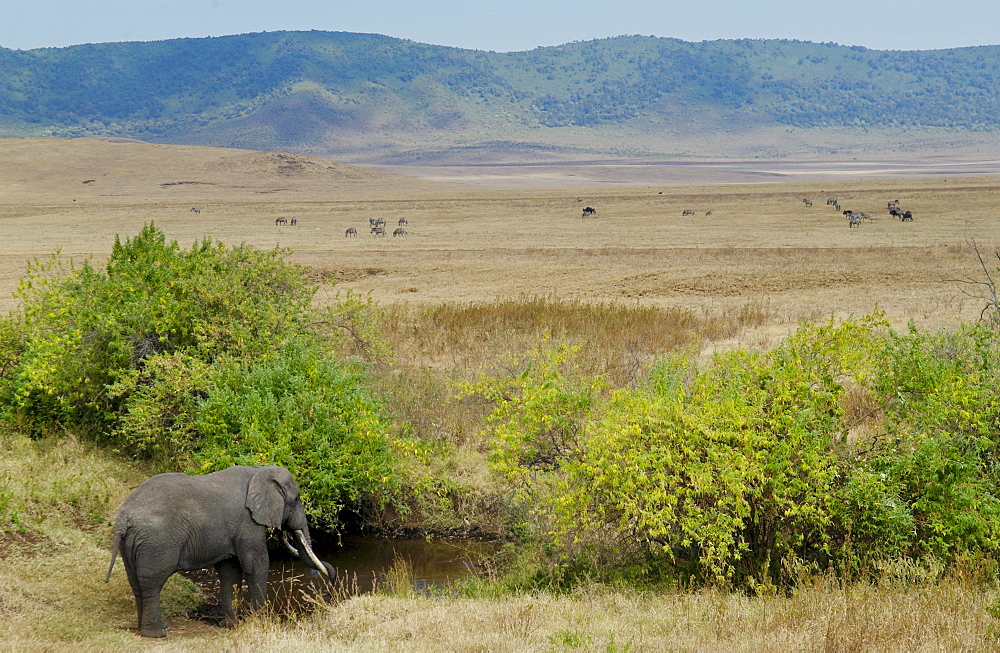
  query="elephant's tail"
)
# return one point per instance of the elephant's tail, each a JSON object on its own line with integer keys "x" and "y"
{"x": 115, "y": 546}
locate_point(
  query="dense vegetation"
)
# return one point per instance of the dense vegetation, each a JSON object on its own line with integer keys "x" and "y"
{"x": 848, "y": 448}
{"x": 198, "y": 359}
{"x": 308, "y": 90}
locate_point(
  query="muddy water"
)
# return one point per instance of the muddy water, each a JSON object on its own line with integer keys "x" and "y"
{"x": 364, "y": 563}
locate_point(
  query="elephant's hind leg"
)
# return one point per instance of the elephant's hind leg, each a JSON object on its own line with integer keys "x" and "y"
{"x": 147, "y": 601}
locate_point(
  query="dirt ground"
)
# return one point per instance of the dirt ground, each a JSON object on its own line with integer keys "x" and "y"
{"x": 523, "y": 235}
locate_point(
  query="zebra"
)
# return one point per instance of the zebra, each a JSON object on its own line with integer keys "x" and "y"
{"x": 688, "y": 212}
{"x": 399, "y": 231}
{"x": 351, "y": 231}
{"x": 854, "y": 220}
{"x": 378, "y": 231}
{"x": 295, "y": 221}
{"x": 807, "y": 202}
{"x": 195, "y": 209}
{"x": 278, "y": 221}
{"x": 403, "y": 221}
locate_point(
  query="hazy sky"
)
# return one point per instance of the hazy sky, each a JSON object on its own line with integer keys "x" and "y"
{"x": 512, "y": 24}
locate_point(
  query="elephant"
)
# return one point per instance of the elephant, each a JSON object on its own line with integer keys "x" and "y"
{"x": 174, "y": 522}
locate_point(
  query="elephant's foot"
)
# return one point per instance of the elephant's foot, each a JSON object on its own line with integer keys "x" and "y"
{"x": 153, "y": 631}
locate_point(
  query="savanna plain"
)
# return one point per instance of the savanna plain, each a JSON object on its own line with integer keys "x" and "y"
{"x": 484, "y": 272}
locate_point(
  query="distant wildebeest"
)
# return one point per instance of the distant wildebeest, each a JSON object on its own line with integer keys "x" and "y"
{"x": 196, "y": 209}
{"x": 278, "y": 221}
{"x": 907, "y": 215}
{"x": 588, "y": 211}
{"x": 399, "y": 231}
{"x": 854, "y": 220}
{"x": 688, "y": 212}
{"x": 807, "y": 202}
{"x": 295, "y": 221}
{"x": 378, "y": 231}
{"x": 708, "y": 213}
{"x": 351, "y": 231}
{"x": 403, "y": 221}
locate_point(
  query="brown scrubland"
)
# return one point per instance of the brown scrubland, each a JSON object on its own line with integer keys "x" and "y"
{"x": 484, "y": 270}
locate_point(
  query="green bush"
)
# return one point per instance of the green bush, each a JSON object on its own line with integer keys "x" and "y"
{"x": 199, "y": 359}
{"x": 300, "y": 409}
{"x": 749, "y": 469}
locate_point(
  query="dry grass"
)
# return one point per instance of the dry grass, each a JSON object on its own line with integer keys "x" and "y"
{"x": 826, "y": 617}
{"x": 467, "y": 245}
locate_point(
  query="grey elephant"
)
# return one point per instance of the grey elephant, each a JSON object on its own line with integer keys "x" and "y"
{"x": 175, "y": 522}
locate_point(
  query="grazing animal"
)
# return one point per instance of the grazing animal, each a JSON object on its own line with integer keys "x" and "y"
{"x": 907, "y": 215}
{"x": 854, "y": 220}
{"x": 295, "y": 221}
{"x": 351, "y": 231}
{"x": 831, "y": 200}
{"x": 588, "y": 211}
{"x": 378, "y": 231}
{"x": 278, "y": 221}
{"x": 398, "y": 231}
{"x": 893, "y": 204}
{"x": 688, "y": 212}
{"x": 196, "y": 209}
{"x": 807, "y": 202}
{"x": 896, "y": 212}
{"x": 403, "y": 221}
{"x": 176, "y": 522}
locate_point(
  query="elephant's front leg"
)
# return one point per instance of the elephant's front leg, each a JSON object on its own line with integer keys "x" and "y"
{"x": 230, "y": 579}
{"x": 255, "y": 563}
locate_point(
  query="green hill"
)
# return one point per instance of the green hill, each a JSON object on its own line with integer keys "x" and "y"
{"x": 371, "y": 97}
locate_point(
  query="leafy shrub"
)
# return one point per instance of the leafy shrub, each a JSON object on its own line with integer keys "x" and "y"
{"x": 199, "y": 359}
{"x": 300, "y": 409}
{"x": 747, "y": 470}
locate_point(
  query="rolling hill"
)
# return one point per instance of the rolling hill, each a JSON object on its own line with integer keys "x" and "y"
{"x": 371, "y": 98}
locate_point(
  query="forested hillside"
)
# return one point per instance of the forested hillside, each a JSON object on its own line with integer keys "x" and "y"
{"x": 371, "y": 95}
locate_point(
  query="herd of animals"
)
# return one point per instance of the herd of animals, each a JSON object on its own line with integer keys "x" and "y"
{"x": 377, "y": 225}
{"x": 854, "y": 218}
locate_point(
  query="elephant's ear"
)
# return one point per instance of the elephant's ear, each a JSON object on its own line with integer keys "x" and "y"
{"x": 266, "y": 497}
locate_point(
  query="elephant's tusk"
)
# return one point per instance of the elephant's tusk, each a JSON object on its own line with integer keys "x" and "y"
{"x": 288, "y": 545}
{"x": 309, "y": 552}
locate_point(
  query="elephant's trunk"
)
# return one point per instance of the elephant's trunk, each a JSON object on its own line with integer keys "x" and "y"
{"x": 310, "y": 556}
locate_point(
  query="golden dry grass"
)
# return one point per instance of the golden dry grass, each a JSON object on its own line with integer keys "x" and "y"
{"x": 467, "y": 244}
